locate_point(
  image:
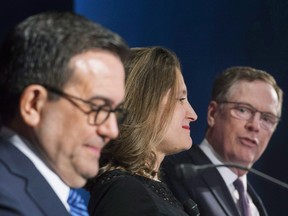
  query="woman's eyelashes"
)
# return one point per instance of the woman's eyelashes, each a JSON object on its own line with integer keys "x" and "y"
{"x": 182, "y": 99}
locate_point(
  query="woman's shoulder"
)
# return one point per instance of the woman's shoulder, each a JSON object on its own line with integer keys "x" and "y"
{"x": 118, "y": 179}
{"x": 121, "y": 186}
{"x": 125, "y": 191}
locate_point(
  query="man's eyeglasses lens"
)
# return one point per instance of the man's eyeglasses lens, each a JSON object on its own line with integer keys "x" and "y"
{"x": 97, "y": 115}
{"x": 100, "y": 115}
{"x": 246, "y": 112}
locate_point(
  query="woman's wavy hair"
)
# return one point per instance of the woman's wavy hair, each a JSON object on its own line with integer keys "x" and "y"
{"x": 151, "y": 74}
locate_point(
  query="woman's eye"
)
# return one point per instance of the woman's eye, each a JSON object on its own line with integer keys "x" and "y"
{"x": 182, "y": 99}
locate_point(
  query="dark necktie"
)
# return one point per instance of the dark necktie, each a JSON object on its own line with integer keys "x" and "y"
{"x": 243, "y": 202}
{"x": 77, "y": 204}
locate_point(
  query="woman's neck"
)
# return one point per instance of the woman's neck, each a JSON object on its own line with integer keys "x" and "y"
{"x": 159, "y": 159}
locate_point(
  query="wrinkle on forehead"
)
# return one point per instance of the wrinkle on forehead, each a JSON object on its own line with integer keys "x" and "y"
{"x": 259, "y": 94}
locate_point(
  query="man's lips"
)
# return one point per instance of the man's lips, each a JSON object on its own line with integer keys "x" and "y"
{"x": 96, "y": 150}
{"x": 250, "y": 142}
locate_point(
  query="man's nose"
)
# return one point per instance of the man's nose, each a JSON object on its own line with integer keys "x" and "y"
{"x": 254, "y": 122}
{"x": 109, "y": 128}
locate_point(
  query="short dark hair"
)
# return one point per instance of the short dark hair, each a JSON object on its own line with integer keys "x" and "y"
{"x": 39, "y": 49}
{"x": 229, "y": 77}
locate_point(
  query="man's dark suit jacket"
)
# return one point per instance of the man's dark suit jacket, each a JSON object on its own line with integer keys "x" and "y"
{"x": 23, "y": 190}
{"x": 207, "y": 188}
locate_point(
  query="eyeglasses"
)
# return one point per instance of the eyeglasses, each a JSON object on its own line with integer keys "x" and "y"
{"x": 97, "y": 115}
{"x": 245, "y": 111}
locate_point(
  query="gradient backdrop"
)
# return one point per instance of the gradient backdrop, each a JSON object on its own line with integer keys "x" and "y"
{"x": 208, "y": 36}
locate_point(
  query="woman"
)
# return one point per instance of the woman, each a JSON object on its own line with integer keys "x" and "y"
{"x": 157, "y": 125}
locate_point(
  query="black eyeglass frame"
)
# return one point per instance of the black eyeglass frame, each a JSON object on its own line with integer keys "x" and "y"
{"x": 96, "y": 109}
{"x": 274, "y": 119}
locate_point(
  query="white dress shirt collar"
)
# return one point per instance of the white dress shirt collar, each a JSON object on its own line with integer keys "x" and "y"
{"x": 226, "y": 173}
{"x": 228, "y": 176}
{"x": 59, "y": 187}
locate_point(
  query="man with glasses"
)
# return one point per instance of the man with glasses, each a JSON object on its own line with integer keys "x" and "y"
{"x": 242, "y": 116}
{"x": 61, "y": 89}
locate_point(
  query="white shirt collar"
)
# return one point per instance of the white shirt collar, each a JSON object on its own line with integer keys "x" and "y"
{"x": 59, "y": 187}
{"x": 228, "y": 176}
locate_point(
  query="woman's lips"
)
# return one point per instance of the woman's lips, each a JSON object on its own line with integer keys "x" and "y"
{"x": 187, "y": 127}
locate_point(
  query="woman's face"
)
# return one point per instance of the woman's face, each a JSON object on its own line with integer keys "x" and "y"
{"x": 177, "y": 136}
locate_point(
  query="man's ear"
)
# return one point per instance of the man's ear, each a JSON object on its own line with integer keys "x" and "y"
{"x": 32, "y": 101}
{"x": 212, "y": 108}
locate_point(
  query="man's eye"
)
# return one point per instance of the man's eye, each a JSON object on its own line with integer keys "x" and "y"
{"x": 268, "y": 119}
{"x": 100, "y": 108}
{"x": 243, "y": 109}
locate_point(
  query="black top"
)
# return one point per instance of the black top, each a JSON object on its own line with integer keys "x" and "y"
{"x": 121, "y": 193}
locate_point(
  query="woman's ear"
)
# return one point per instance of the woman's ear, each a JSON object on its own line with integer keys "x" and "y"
{"x": 31, "y": 103}
{"x": 212, "y": 108}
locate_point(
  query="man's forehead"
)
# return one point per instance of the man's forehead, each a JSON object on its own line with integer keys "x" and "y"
{"x": 99, "y": 75}
{"x": 257, "y": 93}
{"x": 95, "y": 59}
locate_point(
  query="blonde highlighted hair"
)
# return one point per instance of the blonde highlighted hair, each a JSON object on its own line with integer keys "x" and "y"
{"x": 151, "y": 74}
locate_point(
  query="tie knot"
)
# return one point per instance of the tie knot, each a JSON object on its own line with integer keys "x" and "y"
{"x": 77, "y": 204}
{"x": 238, "y": 184}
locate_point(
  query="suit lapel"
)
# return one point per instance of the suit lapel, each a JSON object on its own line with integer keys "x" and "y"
{"x": 220, "y": 191}
{"x": 256, "y": 200}
{"x": 214, "y": 182}
{"x": 36, "y": 185}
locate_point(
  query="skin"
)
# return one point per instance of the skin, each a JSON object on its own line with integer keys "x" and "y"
{"x": 177, "y": 136}
{"x": 242, "y": 141}
{"x": 60, "y": 132}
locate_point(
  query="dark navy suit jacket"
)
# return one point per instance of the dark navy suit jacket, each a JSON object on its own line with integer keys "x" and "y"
{"x": 23, "y": 190}
{"x": 207, "y": 188}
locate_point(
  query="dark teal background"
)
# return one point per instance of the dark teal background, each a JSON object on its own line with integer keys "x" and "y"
{"x": 208, "y": 36}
